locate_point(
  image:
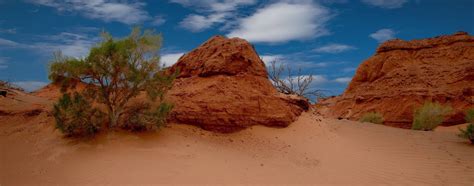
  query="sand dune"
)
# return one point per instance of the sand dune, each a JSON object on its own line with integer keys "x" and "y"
{"x": 311, "y": 150}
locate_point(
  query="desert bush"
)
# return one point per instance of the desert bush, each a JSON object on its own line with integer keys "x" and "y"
{"x": 75, "y": 117}
{"x": 430, "y": 115}
{"x": 372, "y": 117}
{"x": 141, "y": 117}
{"x": 287, "y": 82}
{"x": 469, "y": 115}
{"x": 115, "y": 72}
{"x": 468, "y": 133}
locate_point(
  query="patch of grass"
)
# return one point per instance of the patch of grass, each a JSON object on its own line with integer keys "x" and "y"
{"x": 469, "y": 115}
{"x": 372, "y": 117}
{"x": 468, "y": 133}
{"x": 430, "y": 115}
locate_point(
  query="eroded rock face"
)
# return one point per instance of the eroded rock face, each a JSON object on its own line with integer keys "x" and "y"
{"x": 404, "y": 74}
{"x": 223, "y": 86}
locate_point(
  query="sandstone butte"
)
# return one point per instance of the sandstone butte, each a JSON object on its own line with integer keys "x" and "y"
{"x": 402, "y": 75}
{"x": 223, "y": 86}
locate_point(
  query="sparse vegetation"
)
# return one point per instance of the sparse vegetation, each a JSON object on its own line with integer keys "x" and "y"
{"x": 429, "y": 116}
{"x": 372, "y": 117}
{"x": 469, "y": 116}
{"x": 75, "y": 117}
{"x": 285, "y": 81}
{"x": 8, "y": 85}
{"x": 468, "y": 133}
{"x": 115, "y": 72}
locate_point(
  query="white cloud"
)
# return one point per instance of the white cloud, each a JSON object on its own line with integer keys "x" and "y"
{"x": 170, "y": 59}
{"x": 211, "y": 12}
{"x": 343, "y": 80}
{"x": 8, "y": 43}
{"x": 383, "y": 35}
{"x": 74, "y": 45}
{"x": 158, "y": 20}
{"x": 334, "y": 48}
{"x": 319, "y": 79}
{"x": 284, "y": 21}
{"x": 267, "y": 59}
{"x": 389, "y": 4}
{"x": 70, "y": 44}
{"x": 30, "y": 85}
{"x": 198, "y": 23}
{"x": 120, "y": 11}
{"x": 214, "y": 5}
{"x": 349, "y": 69}
{"x": 8, "y": 30}
{"x": 295, "y": 61}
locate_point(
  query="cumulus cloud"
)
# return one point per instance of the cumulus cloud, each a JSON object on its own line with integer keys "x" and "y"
{"x": 343, "y": 80}
{"x": 170, "y": 59}
{"x": 389, "y": 4}
{"x": 383, "y": 35}
{"x": 334, "y": 48}
{"x": 107, "y": 10}
{"x": 210, "y": 12}
{"x": 198, "y": 23}
{"x": 30, "y": 85}
{"x": 284, "y": 21}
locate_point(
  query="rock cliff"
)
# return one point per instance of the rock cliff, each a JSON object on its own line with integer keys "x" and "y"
{"x": 404, "y": 74}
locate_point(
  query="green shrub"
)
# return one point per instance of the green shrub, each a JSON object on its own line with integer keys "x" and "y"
{"x": 429, "y": 116}
{"x": 468, "y": 133}
{"x": 372, "y": 117}
{"x": 74, "y": 116}
{"x": 142, "y": 117}
{"x": 116, "y": 71}
{"x": 470, "y": 115}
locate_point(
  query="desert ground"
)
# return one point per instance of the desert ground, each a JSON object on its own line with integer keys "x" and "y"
{"x": 313, "y": 150}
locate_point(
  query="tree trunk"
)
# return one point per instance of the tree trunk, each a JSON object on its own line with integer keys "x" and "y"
{"x": 114, "y": 117}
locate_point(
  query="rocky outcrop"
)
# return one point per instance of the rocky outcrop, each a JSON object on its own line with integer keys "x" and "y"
{"x": 404, "y": 74}
{"x": 223, "y": 86}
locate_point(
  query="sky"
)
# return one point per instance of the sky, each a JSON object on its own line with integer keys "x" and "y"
{"x": 326, "y": 38}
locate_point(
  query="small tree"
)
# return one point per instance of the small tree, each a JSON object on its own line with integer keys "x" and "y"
{"x": 429, "y": 116}
{"x": 372, "y": 117}
{"x": 116, "y": 71}
{"x": 297, "y": 84}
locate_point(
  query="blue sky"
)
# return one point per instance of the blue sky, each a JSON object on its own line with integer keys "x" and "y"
{"x": 326, "y": 38}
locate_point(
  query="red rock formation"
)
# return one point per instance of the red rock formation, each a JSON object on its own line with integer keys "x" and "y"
{"x": 223, "y": 86}
{"x": 404, "y": 74}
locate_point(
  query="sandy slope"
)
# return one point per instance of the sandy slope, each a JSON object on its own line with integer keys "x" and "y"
{"x": 312, "y": 150}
